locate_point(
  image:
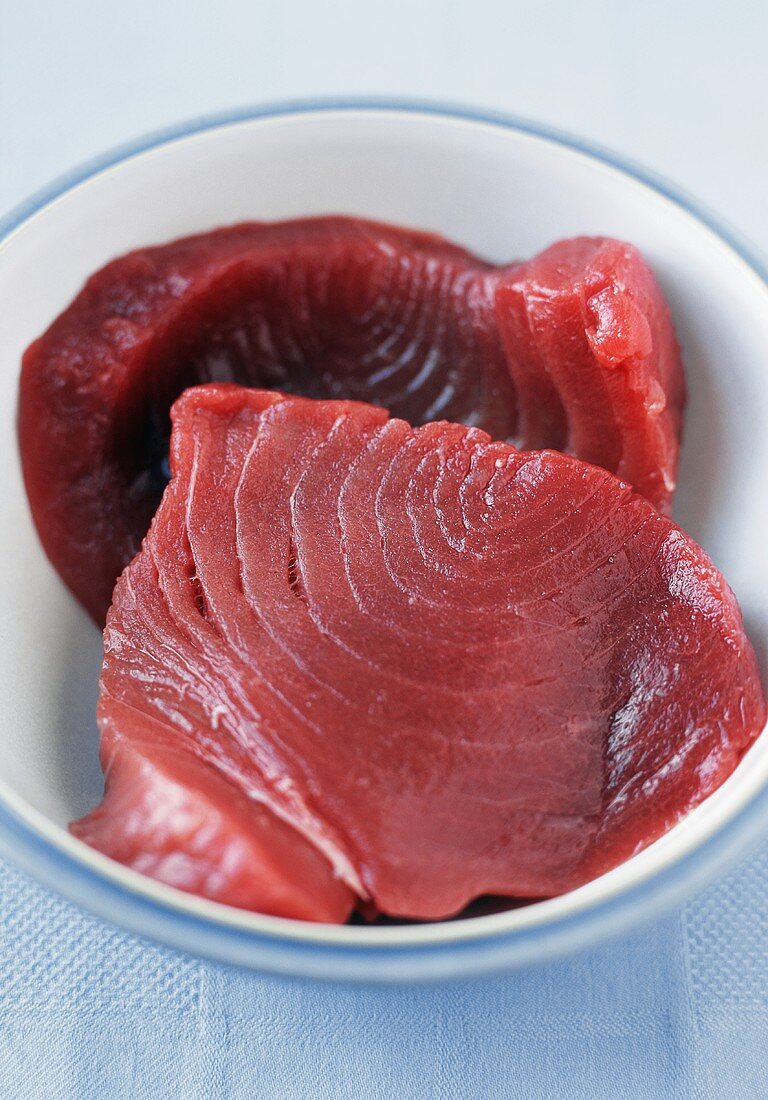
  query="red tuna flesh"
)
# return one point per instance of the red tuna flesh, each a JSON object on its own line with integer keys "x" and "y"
{"x": 572, "y": 350}
{"x": 451, "y": 668}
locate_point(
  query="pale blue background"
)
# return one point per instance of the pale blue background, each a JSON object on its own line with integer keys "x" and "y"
{"x": 679, "y": 1009}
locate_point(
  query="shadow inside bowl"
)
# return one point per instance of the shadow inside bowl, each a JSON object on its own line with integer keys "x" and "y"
{"x": 76, "y": 747}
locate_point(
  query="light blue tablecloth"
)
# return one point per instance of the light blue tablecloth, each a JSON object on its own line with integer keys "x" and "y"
{"x": 679, "y": 1009}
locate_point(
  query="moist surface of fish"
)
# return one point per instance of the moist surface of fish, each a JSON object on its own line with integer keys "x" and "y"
{"x": 572, "y": 350}
{"x": 434, "y": 665}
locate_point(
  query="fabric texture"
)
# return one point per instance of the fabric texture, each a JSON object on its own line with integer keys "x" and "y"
{"x": 677, "y": 1009}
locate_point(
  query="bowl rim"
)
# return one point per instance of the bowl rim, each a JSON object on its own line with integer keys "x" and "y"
{"x": 427, "y": 951}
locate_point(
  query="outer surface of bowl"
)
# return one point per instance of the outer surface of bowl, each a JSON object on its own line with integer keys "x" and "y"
{"x": 504, "y": 190}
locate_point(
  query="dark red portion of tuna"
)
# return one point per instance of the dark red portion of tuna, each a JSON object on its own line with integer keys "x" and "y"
{"x": 573, "y": 350}
{"x": 452, "y": 668}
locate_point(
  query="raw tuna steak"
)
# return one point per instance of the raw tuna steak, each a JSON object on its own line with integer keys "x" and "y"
{"x": 574, "y": 350}
{"x": 450, "y": 667}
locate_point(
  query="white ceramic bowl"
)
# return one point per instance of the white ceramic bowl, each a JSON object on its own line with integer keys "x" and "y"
{"x": 505, "y": 190}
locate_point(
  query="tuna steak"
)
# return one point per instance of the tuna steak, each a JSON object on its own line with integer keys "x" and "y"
{"x": 438, "y": 666}
{"x": 573, "y": 350}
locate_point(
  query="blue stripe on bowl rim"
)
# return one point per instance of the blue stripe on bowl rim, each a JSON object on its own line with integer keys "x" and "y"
{"x": 274, "y": 952}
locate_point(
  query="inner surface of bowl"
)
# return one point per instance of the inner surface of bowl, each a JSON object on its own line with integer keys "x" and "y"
{"x": 499, "y": 191}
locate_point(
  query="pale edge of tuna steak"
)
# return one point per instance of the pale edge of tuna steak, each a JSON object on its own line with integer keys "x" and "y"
{"x": 573, "y": 350}
{"x": 361, "y": 663}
